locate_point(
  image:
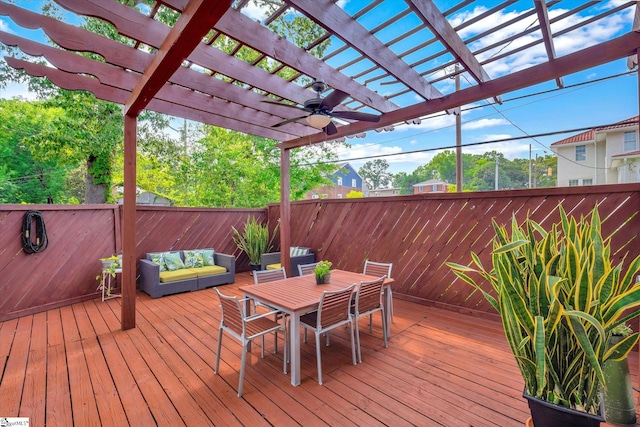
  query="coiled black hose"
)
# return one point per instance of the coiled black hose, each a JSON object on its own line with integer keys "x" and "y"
{"x": 34, "y": 243}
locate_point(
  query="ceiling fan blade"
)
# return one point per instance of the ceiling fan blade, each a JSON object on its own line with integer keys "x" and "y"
{"x": 287, "y": 121}
{"x": 356, "y": 115}
{"x": 333, "y": 99}
{"x": 330, "y": 129}
{"x": 297, "y": 107}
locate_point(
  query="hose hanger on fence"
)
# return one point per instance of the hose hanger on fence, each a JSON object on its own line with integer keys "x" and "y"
{"x": 33, "y": 242}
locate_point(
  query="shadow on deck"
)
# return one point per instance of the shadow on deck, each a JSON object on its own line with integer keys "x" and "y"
{"x": 74, "y": 366}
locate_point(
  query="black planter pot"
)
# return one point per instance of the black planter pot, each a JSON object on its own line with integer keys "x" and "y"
{"x": 547, "y": 414}
{"x": 256, "y": 267}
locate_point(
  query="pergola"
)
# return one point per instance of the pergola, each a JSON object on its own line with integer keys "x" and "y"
{"x": 390, "y": 57}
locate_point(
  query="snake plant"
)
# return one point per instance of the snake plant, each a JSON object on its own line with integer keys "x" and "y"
{"x": 559, "y": 298}
{"x": 254, "y": 241}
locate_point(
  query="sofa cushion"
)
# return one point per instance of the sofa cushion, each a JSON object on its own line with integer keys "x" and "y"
{"x": 193, "y": 259}
{"x": 208, "y": 255}
{"x": 274, "y": 266}
{"x": 297, "y": 251}
{"x": 173, "y": 261}
{"x": 158, "y": 258}
{"x": 182, "y": 274}
{"x": 209, "y": 270}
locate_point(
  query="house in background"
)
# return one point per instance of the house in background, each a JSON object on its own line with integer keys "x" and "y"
{"x": 345, "y": 180}
{"x": 384, "y": 192}
{"x": 147, "y": 198}
{"x": 430, "y": 186}
{"x": 604, "y": 155}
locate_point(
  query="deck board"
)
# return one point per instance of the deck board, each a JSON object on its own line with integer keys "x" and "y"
{"x": 74, "y": 366}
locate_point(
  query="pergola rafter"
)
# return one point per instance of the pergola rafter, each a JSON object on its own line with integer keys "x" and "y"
{"x": 388, "y": 56}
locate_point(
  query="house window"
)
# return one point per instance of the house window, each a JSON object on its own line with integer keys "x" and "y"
{"x": 421, "y": 188}
{"x": 339, "y": 180}
{"x": 573, "y": 183}
{"x": 353, "y": 183}
{"x": 630, "y": 142}
{"x": 315, "y": 196}
{"x": 434, "y": 187}
{"x": 581, "y": 153}
{"x": 587, "y": 182}
{"x": 339, "y": 195}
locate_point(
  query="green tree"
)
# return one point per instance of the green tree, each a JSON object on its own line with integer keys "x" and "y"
{"x": 27, "y": 174}
{"x": 375, "y": 173}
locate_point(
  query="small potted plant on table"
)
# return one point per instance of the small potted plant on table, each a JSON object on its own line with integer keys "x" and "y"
{"x": 322, "y": 272}
{"x": 560, "y": 299}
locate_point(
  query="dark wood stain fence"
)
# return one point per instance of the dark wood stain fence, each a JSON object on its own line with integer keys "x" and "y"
{"x": 65, "y": 272}
{"x": 418, "y": 234}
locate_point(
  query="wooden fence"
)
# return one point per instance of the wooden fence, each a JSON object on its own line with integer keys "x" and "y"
{"x": 65, "y": 272}
{"x": 417, "y": 233}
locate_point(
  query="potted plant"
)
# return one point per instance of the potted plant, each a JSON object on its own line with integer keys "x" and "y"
{"x": 322, "y": 272}
{"x": 619, "y": 407}
{"x": 559, "y": 298}
{"x": 109, "y": 267}
{"x": 254, "y": 241}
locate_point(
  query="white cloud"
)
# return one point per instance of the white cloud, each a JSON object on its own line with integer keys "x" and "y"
{"x": 483, "y": 123}
{"x": 510, "y": 149}
{"x": 5, "y": 27}
{"x": 580, "y": 38}
{"x": 397, "y": 163}
{"x": 13, "y": 90}
{"x": 254, "y": 12}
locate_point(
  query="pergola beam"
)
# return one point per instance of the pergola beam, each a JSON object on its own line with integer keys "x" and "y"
{"x": 545, "y": 28}
{"x": 590, "y": 57}
{"x": 326, "y": 14}
{"x": 193, "y": 24}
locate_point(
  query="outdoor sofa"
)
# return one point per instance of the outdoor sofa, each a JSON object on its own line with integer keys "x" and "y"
{"x": 299, "y": 255}
{"x": 166, "y": 273}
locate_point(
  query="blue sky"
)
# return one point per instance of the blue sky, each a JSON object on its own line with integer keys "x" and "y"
{"x": 591, "y": 104}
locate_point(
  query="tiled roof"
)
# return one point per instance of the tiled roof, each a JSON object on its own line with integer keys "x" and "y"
{"x": 629, "y": 154}
{"x": 590, "y": 134}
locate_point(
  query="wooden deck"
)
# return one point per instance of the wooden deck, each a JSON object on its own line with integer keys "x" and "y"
{"x": 74, "y": 366}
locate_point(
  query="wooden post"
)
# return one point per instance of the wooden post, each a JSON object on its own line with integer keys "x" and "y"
{"x": 285, "y": 209}
{"x": 128, "y": 309}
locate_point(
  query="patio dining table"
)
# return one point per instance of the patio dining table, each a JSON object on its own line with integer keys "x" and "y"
{"x": 299, "y": 295}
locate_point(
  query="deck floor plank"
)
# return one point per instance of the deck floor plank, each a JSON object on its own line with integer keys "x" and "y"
{"x": 15, "y": 370}
{"x": 73, "y": 366}
{"x": 58, "y": 398}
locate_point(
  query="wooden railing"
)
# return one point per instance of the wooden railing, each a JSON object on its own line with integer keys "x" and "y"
{"x": 417, "y": 233}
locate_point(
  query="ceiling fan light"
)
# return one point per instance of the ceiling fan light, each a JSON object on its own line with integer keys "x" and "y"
{"x": 318, "y": 121}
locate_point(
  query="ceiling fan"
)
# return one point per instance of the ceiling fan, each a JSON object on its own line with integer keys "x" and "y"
{"x": 320, "y": 110}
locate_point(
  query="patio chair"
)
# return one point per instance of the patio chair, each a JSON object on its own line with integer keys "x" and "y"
{"x": 263, "y": 276}
{"x": 333, "y": 311}
{"x": 378, "y": 269}
{"x": 369, "y": 300}
{"x": 304, "y": 269}
{"x": 245, "y": 329}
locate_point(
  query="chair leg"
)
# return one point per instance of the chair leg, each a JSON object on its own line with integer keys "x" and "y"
{"x": 370, "y": 323}
{"x": 353, "y": 347}
{"x": 391, "y": 306}
{"x": 215, "y": 370}
{"x": 242, "y": 363}
{"x": 384, "y": 328}
{"x": 262, "y": 348}
{"x": 318, "y": 347}
{"x": 275, "y": 336}
{"x": 355, "y": 320}
{"x": 285, "y": 358}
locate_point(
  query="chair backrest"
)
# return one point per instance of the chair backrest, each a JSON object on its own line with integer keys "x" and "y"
{"x": 306, "y": 268}
{"x": 334, "y": 307}
{"x": 232, "y": 313}
{"x": 377, "y": 269}
{"x": 369, "y": 295}
{"x": 262, "y": 276}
